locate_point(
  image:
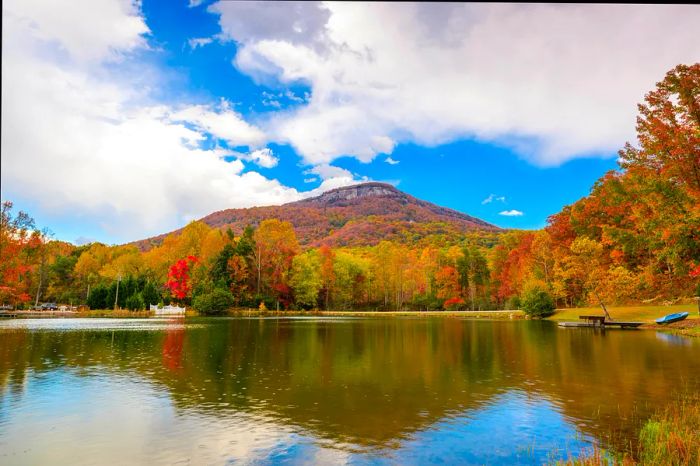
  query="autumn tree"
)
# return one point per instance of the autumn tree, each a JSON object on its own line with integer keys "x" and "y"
{"x": 473, "y": 273}
{"x": 39, "y": 243}
{"x": 275, "y": 247}
{"x": 668, "y": 131}
{"x": 447, "y": 283}
{"x": 15, "y": 232}
{"x": 350, "y": 273}
{"x": 326, "y": 256}
{"x": 179, "y": 278}
{"x": 306, "y": 280}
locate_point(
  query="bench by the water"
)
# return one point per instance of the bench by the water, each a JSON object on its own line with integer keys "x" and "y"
{"x": 593, "y": 320}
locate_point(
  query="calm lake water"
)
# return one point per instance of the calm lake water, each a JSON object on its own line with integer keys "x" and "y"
{"x": 326, "y": 390}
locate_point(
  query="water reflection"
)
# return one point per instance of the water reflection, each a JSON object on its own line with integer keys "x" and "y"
{"x": 672, "y": 339}
{"x": 358, "y": 390}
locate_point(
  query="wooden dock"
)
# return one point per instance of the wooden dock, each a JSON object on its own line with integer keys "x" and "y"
{"x": 600, "y": 322}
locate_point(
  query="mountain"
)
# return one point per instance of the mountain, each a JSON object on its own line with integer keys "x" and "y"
{"x": 357, "y": 215}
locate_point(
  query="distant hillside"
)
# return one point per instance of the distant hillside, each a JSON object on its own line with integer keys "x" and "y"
{"x": 362, "y": 214}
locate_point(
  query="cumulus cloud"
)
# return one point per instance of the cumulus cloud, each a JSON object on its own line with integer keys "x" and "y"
{"x": 77, "y": 139}
{"x": 553, "y": 82}
{"x": 493, "y": 197}
{"x": 326, "y": 171}
{"x": 224, "y": 124}
{"x": 511, "y": 213}
{"x": 292, "y": 22}
{"x": 103, "y": 29}
{"x": 264, "y": 158}
{"x": 391, "y": 161}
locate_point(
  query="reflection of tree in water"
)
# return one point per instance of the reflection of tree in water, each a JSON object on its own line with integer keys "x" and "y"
{"x": 172, "y": 348}
{"x": 375, "y": 382}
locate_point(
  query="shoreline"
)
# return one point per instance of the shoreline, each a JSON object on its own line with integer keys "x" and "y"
{"x": 689, "y": 327}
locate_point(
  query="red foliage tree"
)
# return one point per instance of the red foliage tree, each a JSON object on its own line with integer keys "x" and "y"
{"x": 179, "y": 277}
{"x": 695, "y": 272}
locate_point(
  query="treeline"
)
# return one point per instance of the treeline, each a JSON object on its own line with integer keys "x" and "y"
{"x": 263, "y": 265}
{"x": 636, "y": 237}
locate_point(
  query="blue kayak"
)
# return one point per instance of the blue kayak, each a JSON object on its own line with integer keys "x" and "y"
{"x": 672, "y": 318}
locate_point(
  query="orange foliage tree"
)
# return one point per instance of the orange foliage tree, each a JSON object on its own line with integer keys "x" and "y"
{"x": 275, "y": 247}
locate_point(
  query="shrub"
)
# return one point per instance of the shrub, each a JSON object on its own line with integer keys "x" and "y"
{"x": 536, "y": 300}
{"x": 213, "y": 303}
{"x": 150, "y": 294}
{"x": 98, "y": 298}
{"x": 453, "y": 304}
{"x": 513, "y": 303}
{"x": 135, "y": 302}
{"x": 426, "y": 302}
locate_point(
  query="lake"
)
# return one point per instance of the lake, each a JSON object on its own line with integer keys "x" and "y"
{"x": 327, "y": 390}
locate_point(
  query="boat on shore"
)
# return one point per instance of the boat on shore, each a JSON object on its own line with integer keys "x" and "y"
{"x": 670, "y": 318}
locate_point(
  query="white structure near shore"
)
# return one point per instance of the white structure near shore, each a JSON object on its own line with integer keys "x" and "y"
{"x": 168, "y": 310}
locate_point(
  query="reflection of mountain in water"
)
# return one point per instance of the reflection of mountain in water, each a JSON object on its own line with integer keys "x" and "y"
{"x": 375, "y": 382}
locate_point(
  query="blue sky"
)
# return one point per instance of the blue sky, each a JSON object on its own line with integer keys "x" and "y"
{"x": 130, "y": 119}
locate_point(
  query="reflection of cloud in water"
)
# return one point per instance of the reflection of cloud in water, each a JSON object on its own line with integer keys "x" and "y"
{"x": 311, "y": 391}
{"x": 673, "y": 339}
{"x": 129, "y": 421}
{"x": 487, "y": 435}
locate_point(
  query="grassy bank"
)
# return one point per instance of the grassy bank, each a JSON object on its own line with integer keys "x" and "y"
{"x": 250, "y": 312}
{"x": 647, "y": 314}
{"x": 462, "y": 314}
{"x": 670, "y": 437}
{"x": 628, "y": 313}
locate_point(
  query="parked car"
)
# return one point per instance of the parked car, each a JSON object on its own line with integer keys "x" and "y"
{"x": 48, "y": 307}
{"x": 6, "y": 307}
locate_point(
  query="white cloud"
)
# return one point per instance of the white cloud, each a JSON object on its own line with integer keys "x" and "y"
{"x": 137, "y": 173}
{"x": 293, "y": 22}
{"x": 264, "y": 157}
{"x": 326, "y": 171}
{"x": 511, "y": 213}
{"x": 224, "y": 124}
{"x": 86, "y": 30}
{"x": 196, "y": 42}
{"x": 76, "y": 138}
{"x": 81, "y": 240}
{"x": 493, "y": 197}
{"x": 554, "y": 82}
{"x": 331, "y": 177}
{"x": 194, "y": 3}
{"x": 293, "y": 97}
{"x": 391, "y": 161}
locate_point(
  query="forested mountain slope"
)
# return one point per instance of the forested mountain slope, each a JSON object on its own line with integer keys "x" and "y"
{"x": 357, "y": 215}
